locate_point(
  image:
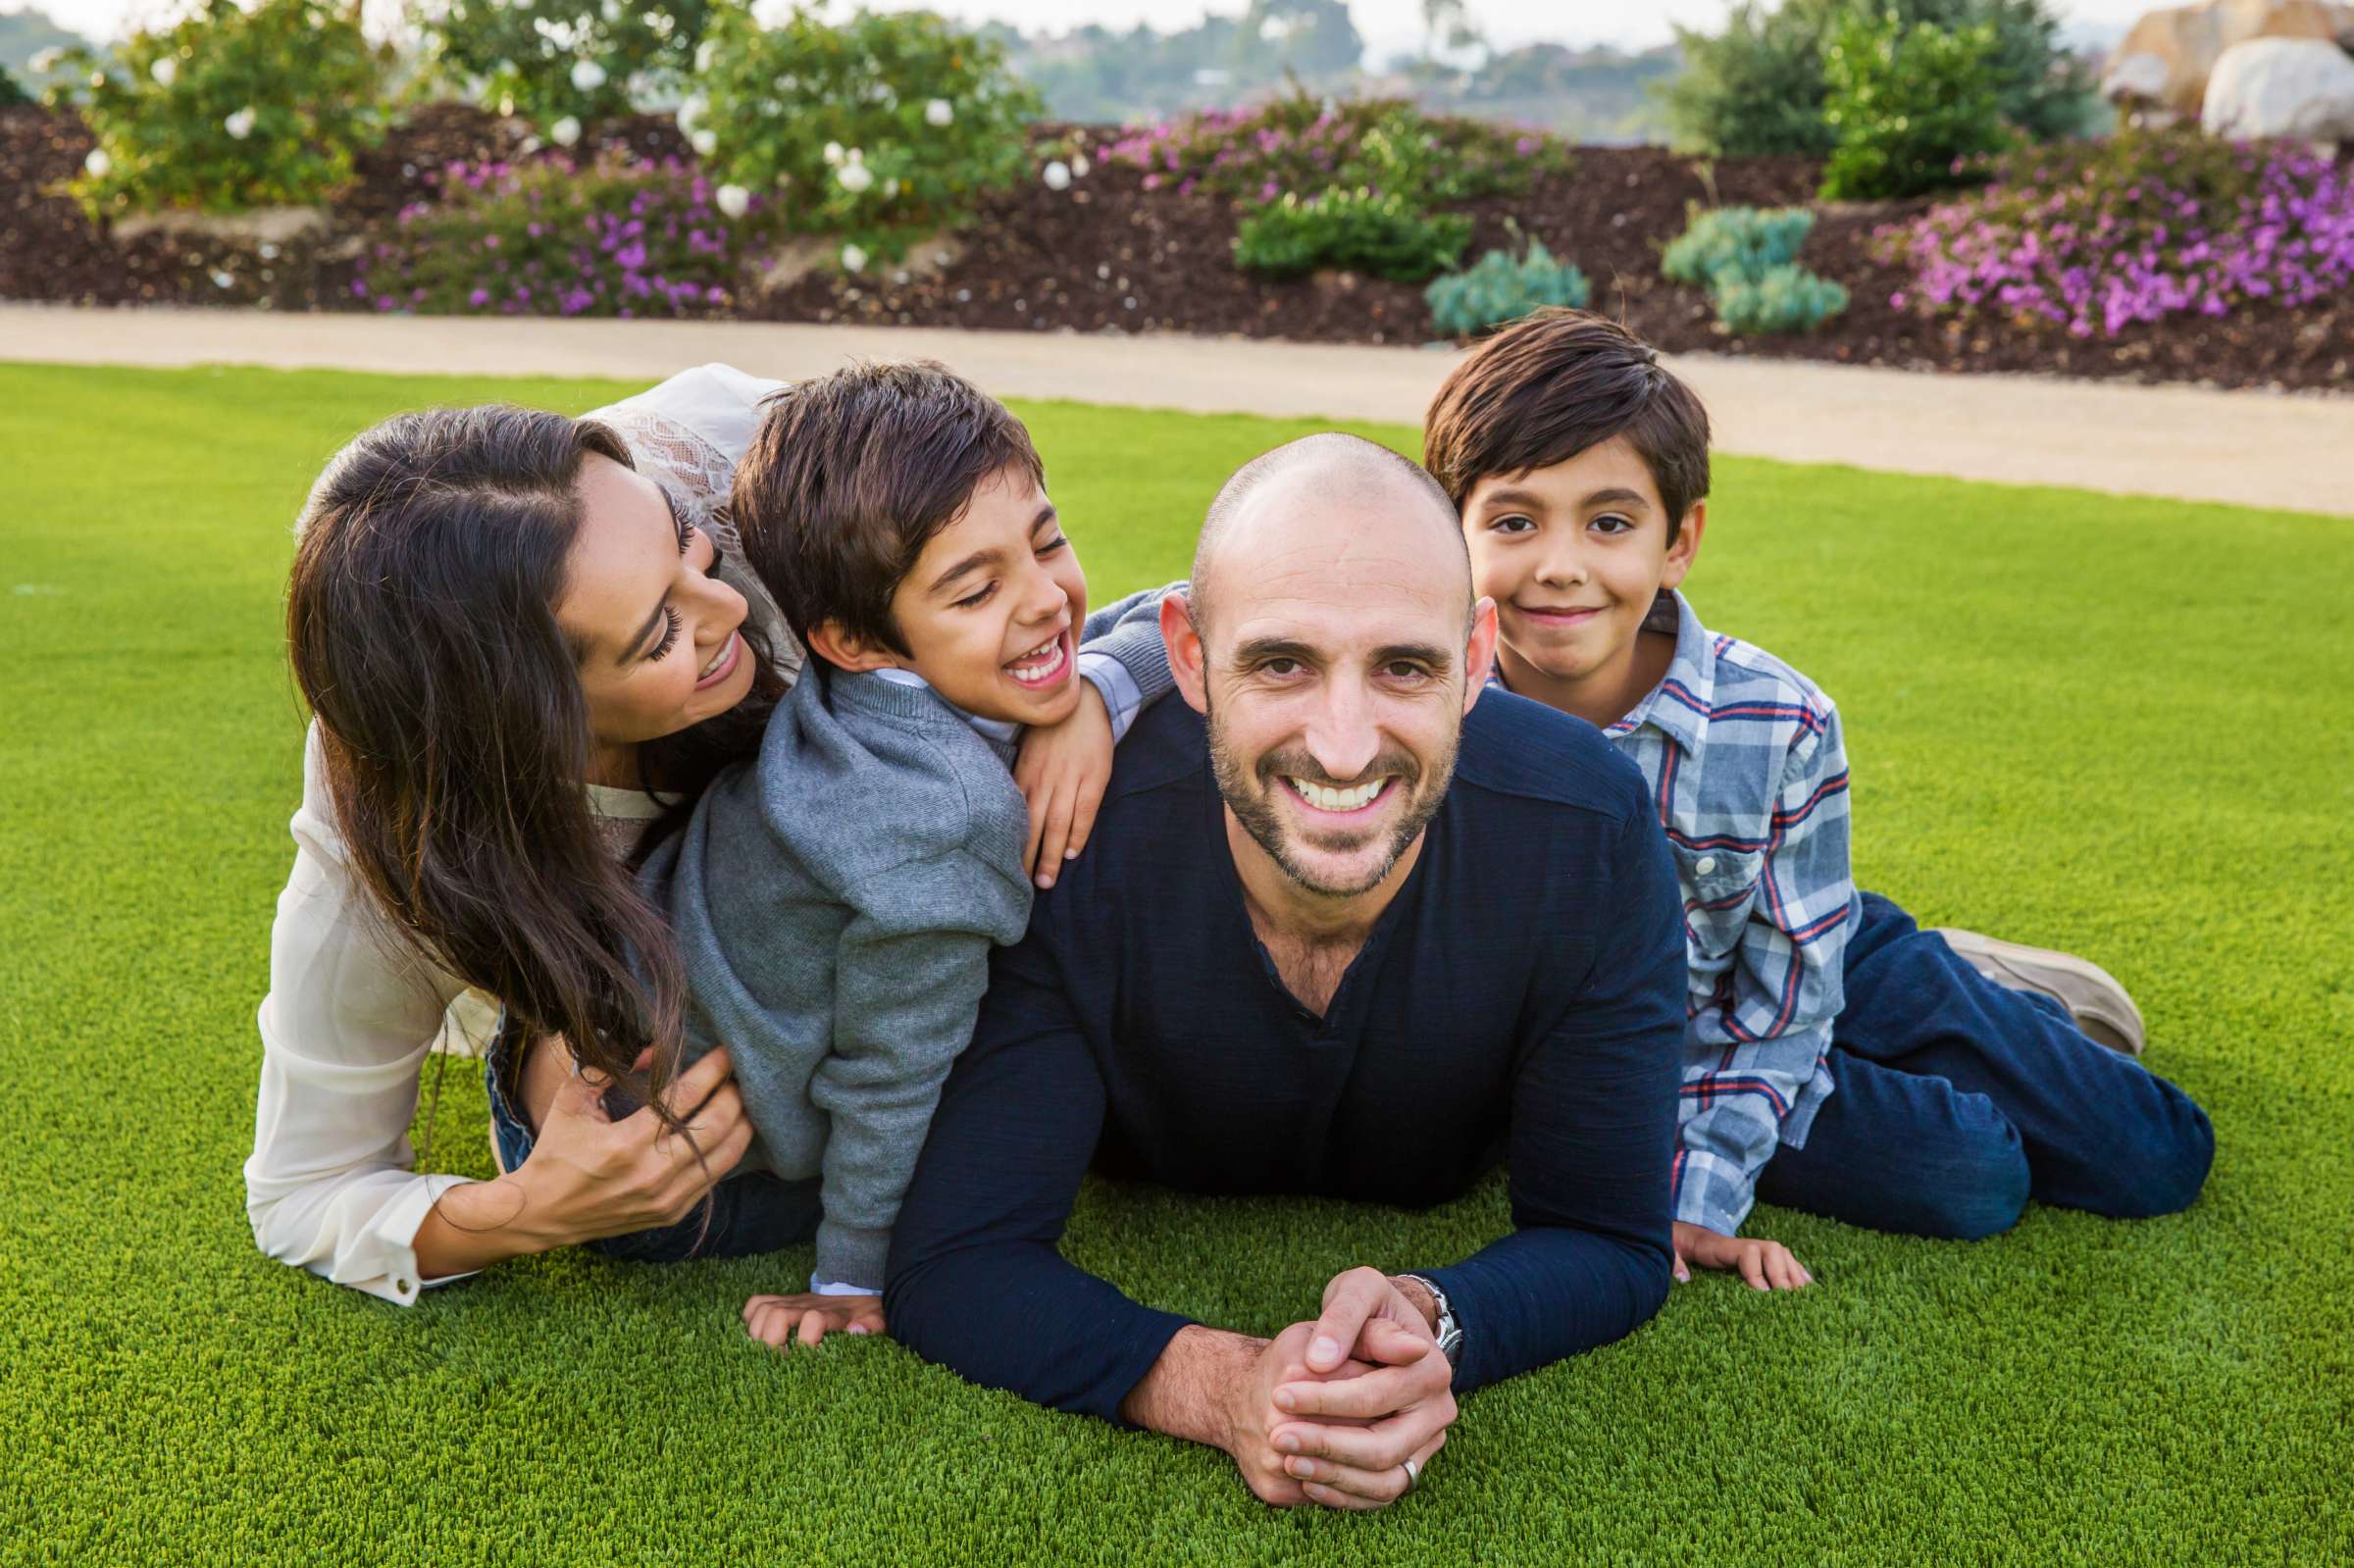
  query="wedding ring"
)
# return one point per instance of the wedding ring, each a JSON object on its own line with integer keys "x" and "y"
{"x": 1413, "y": 1476}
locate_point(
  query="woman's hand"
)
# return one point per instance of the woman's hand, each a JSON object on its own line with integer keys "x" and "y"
{"x": 590, "y": 1175}
{"x": 1765, "y": 1265}
{"x": 780, "y": 1320}
{"x": 1063, "y": 769}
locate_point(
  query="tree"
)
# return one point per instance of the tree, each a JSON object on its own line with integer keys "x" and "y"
{"x": 1759, "y": 85}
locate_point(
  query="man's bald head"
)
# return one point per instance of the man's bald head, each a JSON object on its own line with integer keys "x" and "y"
{"x": 1324, "y": 476}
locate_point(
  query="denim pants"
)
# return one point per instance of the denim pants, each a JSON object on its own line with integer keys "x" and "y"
{"x": 1956, "y": 1099}
{"x": 747, "y": 1214}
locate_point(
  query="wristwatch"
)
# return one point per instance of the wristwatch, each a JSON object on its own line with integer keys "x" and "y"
{"x": 1450, "y": 1331}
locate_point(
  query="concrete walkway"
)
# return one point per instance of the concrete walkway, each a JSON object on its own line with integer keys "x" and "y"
{"x": 2251, "y": 447}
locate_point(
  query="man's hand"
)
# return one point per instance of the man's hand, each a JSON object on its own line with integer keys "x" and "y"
{"x": 1354, "y": 1432}
{"x": 780, "y": 1320}
{"x": 1765, "y": 1265}
{"x": 1063, "y": 769}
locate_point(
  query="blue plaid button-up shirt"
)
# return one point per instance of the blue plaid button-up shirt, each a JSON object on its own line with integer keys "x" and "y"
{"x": 1749, "y": 778}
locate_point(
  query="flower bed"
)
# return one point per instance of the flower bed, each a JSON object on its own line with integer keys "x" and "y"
{"x": 2099, "y": 237}
{"x": 1099, "y": 250}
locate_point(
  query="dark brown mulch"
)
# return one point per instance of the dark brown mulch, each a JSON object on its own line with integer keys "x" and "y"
{"x": 1108, "y": 255}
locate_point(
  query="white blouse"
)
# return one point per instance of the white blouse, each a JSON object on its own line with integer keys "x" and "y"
{"x": 354, "y": 1009}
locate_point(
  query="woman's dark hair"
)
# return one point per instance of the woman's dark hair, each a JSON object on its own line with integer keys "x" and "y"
{"x": 454, "y": 731}
{"x": 1553, "y": 384}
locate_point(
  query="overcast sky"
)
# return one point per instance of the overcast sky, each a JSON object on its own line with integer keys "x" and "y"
{"x": 1389, "y": 26}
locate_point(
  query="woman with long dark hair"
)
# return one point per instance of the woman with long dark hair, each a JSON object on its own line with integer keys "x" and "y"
{"x": 522, "y": 645}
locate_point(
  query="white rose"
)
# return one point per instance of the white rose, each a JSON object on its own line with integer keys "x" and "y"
{"x": 692, "y": 109}
{"x": 611, "y": 11}
{"x": 165, "y": 71}
{"x": 854, "y": 177}
{"x": 565, "y": 131}
{"x": 702, "y": 54}
{"x": 240, "y": 125}
{"x": 705, "y": 142}
{"x": 587, "y": 76}
{"x": 98, "y": 164}
{"x": 733, "y": 200}
{"x": 940, "y": 112}
{"x": 857, "y": 155}
{"x": 834, "y": 152}
{"x": 891, "y": 188}
{"x": 1058, "y": 176}
{"x": 853, "y": 259}
{"x": 1080, "y": 167}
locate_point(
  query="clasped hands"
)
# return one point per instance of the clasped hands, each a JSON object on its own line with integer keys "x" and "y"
{"x": 1332, "y": 1410}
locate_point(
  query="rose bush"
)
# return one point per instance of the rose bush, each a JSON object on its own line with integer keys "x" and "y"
{"x": 620, "y": 236}
{"x": 881, "y": 130}
{"x": 562, "y": 63}
{"x": 2092, "y": 237}
{"x": 226, "y": 109}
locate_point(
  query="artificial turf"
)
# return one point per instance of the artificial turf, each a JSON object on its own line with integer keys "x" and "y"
{"x": 2114, "y": 726}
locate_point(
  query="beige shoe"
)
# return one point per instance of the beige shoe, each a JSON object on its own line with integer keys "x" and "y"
{"x": 2101, "y": 1006}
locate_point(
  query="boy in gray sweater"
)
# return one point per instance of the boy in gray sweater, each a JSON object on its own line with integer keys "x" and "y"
{"x": 835, "y": 901}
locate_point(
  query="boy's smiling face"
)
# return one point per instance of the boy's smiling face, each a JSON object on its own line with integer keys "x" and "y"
{"x": 991, "y": 612}
{"x": 1574, "y": 555}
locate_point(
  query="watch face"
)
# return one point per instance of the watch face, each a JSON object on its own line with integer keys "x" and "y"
{"x": 1450, "y": 1346}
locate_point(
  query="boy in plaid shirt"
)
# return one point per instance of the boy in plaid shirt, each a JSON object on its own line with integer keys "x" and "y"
{"x": 1837, "y": 1058}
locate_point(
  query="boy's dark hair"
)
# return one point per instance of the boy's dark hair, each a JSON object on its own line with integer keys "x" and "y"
{"x": 851, "y": 475}
{"x": 1553, "y": 384}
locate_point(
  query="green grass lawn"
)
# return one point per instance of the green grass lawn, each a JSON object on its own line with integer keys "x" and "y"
{"x": 2114, "y": 726}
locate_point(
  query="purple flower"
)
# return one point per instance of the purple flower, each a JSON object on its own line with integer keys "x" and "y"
{"x": 478, "y": 298}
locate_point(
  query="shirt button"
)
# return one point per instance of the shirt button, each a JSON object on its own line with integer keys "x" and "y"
{"x": 404, "y": 1286}
{"x": 1705, "y": 864}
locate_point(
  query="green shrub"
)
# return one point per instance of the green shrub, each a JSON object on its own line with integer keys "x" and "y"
{"x": 1742, "y": 241}
{"x": 228, "y": 110}
{"x": 1780, "y": 299}
{"x": 12, "y": 91}
{"x": 1760, "y": 86}
{"x": 1303, "y": 143}
{"x": 881, "y": 129}
{"x": 1501, "y": 288}
{"x": 1745, "y": 257}
{"x": 1911, "y": 107}
{"x": 619, "y": 237}
{"x": 1354, "y": 229}
{"x": 563, "y": 63}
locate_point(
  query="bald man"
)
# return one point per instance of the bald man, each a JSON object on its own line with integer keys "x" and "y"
{"x": 1349, "y": 925}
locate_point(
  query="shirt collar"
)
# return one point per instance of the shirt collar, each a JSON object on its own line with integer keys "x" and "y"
{"x": 1678, "y": 706}
{"x": 1004, "y": 731}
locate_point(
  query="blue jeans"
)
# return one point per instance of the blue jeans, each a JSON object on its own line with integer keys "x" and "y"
{"x": 747, "y": 1214}
{"x": 1956, "y": 1099}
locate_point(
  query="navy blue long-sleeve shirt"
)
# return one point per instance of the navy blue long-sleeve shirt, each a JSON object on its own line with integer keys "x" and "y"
{"x": 1522, "y": 994}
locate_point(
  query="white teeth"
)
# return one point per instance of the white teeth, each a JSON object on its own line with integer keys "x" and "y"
{"x": 719, "y": 658}
{"x": 1326, "y": 798}
{"x": 1040, "y": 662}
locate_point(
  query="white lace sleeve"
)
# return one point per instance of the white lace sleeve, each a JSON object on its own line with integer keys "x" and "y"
{"x": 688, "y": 434}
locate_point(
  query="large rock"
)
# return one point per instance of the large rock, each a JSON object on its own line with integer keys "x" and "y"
{"x": 2163, "y": 65}
{"x": 2282, "y": 87}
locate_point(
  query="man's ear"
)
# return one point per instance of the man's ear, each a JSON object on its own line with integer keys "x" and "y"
{"x": 1479, "y": 651}
{"x": 1184, "y": 642}
{"x": 1686, "y": 545}
{"x": 846, "y": 650}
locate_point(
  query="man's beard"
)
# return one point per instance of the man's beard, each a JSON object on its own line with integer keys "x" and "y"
{"x": 1261, "y": 819}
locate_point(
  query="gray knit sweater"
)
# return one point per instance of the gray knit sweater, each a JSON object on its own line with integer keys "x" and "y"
{"x": 834, "y": 903}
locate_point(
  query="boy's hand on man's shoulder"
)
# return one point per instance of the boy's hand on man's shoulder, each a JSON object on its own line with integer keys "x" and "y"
{"x": 1063, "y": 769}
{"x": 1764, "y": 1265}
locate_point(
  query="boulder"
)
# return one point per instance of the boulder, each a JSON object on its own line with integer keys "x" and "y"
{"x": 2282, "y": 87}
{"x": 2163, "y": 65}
{"x": 263, "y": 226}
